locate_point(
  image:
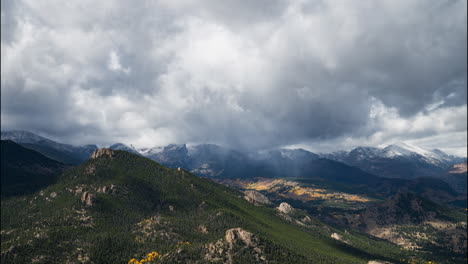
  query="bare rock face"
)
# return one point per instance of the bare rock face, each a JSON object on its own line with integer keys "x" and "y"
{"x": 102, "y": 189}
{"x": 87, "y": 199}
{"x": 256, "y": 198}
{"x": 112, "y": 189}
{"x": 336, "y": 236}
{"x": 235, "y": 240}
{"x": 340, "y": 238}
{"x": 103, "y": 152}
{"x": 285, "y": 208}
{"x": 238, "y": 234}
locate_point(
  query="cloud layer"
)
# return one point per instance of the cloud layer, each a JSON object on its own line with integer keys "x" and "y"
{"x": 246, "y": 74}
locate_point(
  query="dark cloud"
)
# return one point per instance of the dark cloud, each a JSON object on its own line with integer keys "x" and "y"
{"x": 248, "y": 74}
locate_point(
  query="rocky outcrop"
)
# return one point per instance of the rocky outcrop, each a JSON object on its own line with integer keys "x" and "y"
{"x": 103, "y": 152}
{"x": 256, "y": 198}
{"x": 107, "y": 189}
{"x": 339, "y": 238}
{"x": 285, "y": 208}
{"x": 336, "y": 236}
{"x": 235, "y": 240}
{"x": 87, "y": 199}
{"x": 238, "y": 234}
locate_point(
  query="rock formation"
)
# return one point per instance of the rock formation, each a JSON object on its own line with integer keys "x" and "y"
{"x": 103, "y": 152}
{"x": 285, "y": 208}
{"x": 87, "y": 198}
{"x": 256, "y": 198}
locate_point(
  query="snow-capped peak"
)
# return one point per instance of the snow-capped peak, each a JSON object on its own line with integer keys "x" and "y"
{"x": 404, "y": 149}
{"x": 434, "y": 156}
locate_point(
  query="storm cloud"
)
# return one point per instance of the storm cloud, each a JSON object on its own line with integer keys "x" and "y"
{"x": 246, "y": 74}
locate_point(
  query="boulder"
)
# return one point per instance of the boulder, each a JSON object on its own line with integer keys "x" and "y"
{"x": 285, "y": 208}
{"x": 256, "y": 198}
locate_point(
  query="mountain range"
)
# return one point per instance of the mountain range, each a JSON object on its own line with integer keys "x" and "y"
{"x": 276, "y": 206}
{"x": 398, "y": 160}
{"x": 401, "y": 160}
{"x": 120, "y": 207}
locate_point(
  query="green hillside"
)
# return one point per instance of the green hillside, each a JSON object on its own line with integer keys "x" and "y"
{"x": 120, "y": 206}
{"x": 24, "y": 170}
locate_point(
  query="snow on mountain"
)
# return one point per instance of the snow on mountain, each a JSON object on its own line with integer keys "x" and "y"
{"x": 435, "y": 156}
{"x": 397, "y": 150}
{"x": 19, "y": 136}
{"x": 64, "y": 153}
{"x": 360, "y": 153}
{"x": 400, "y": 160}
{"x": 121, "y": 146}
{"x": 405, "y": 149}
{"x": 26, "y": 137}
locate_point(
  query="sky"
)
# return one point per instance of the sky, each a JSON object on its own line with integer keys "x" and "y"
{"x": 322, "y": 75}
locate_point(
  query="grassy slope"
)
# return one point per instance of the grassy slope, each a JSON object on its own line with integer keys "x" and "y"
{"x": 52, "y": 229}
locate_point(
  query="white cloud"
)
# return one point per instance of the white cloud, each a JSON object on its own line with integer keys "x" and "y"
{"x": 114, "y": 63}
{"x": 241, "y": 73}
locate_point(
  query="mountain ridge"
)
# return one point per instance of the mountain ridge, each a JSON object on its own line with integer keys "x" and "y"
{"x": 118, "y": 205}
{"x": 65, "y": 153}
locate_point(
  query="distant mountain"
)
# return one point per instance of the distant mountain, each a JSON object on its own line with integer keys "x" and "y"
{"x": 342, "y": 176}
{"x": 209, "y": 160}
{"x": 119, "y": 206}
{"x": 397, "y": 161}
{"x": 121, "y": 146}
{"x": 24, "y": 171}
{"x": 357, "y": 168}
{"x": 172, "y": 155}
{"x": 64, "y": 153}
{"x": 285, "y": 162}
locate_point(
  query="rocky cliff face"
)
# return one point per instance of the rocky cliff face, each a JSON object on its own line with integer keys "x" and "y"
{"x": 102, "y": 152}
